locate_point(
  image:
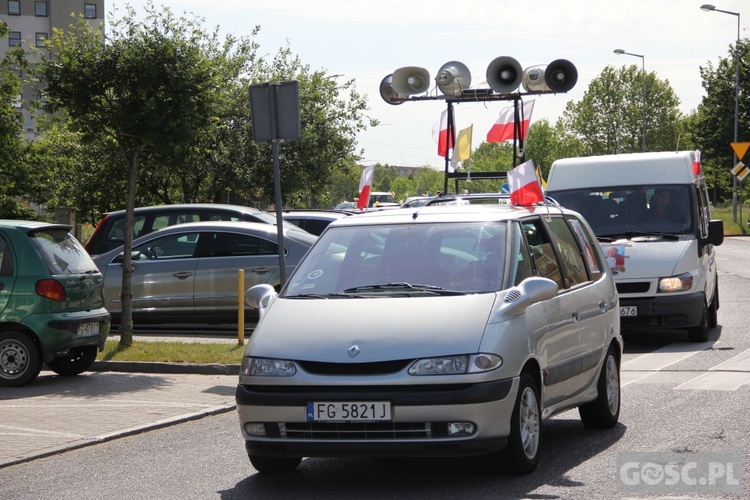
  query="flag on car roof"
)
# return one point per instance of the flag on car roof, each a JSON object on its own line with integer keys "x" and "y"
{"x": 365, "y": 183}
{"x": 697, "y": 163}
{"x": 524, "y": 185}
{"x": 503, "y": 129}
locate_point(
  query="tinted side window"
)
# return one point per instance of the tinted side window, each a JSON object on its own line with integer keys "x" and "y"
{"x": 542, "y": 252}
{"x": 574, "y": 269}
{"x": 6, "y": 258}
{"x": 162, "y": 221}
{"x": 589, "y": 246}
{"x": 173, "y": 246}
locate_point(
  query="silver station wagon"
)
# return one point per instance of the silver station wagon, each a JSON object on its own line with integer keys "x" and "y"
{"x": 438, "y": 331}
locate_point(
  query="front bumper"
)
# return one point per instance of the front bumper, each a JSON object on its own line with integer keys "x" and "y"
{"x": 419, "y": 427}
{"x": 664, "y": 311}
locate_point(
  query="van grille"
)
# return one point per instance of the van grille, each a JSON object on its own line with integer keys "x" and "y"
{"x": 379, "y": 368}
{"x": 362, "y": 430}
{"x": 640, "y": 287}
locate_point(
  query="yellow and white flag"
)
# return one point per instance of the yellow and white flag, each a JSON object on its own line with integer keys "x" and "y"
{"x": 463, "y": 146}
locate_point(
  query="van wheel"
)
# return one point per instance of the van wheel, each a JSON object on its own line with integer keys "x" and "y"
{"x": 604, "y": 411}
{"x": 713, "y": 316}
{"x": 524, "y": 443}
{"x": 20, "y": 361}
{"x": 75, "y": 362}
{"x": 700, "y": 333}
{"x": 275, "y": 465}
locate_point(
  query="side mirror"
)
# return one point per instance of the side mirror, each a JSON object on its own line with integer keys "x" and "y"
{"x": 260, "y": 297}
{"x": 528, "y": 292}
{"x": 716, "y": 232}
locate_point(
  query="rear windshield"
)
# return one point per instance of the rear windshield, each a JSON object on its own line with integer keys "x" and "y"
{"x": 62, "y": 253}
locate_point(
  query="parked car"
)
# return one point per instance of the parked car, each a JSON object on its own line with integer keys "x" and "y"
{"x": 381, "y": 199}
{"x": 110, "y": 232}
{"x": 188, "y": 273}
{"x": 51, "y": 303}
{"x": 313, "y": 221}
{"x": 416, "y": 201}
{"x": 347, "y": 205}
{"x": 444, "y": 330}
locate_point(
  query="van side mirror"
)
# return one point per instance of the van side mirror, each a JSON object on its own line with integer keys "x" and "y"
{"x": 716, "y": 232}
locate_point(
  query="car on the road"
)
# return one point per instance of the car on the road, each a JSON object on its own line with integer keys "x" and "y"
{"x": 188, "y": 273}
{"x": 313, "y": 221}
{"x": 110, "y": 232}
{"x": 381, "y": 199}
{"x": 445, "y": 330}
{"x": 51, "y": 303}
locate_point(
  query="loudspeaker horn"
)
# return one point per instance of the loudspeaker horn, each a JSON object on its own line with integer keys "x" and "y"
{"x": 411, "y": 80}
{"x": 561, "y": 75}
{"x": 453, "y": 77}
{"x": 504, "y": 74}
{"x": 388, "y": 94}
{"x": 533, "y": 79}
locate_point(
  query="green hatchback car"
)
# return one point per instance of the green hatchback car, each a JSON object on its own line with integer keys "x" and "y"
{"x": 51, "y": 303}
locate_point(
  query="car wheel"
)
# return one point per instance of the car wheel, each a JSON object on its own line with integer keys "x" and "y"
{"x": 713, "y": 316}
{"x": 700, "y": 333}
{"x": 20, "y": 361}
{"x": 75, "y": 362}
{"x": 275, "y": 465}
{"x": 604, "y": 411}
{"x": 524, "y": 443}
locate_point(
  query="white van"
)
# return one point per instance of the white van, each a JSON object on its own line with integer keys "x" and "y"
{"x": 652, "y": 216}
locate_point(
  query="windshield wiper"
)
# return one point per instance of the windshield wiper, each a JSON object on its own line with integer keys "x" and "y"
{"x": 630, "y": 234}
{"x": 325, "y": 296}
{"x": 402, "y": 285}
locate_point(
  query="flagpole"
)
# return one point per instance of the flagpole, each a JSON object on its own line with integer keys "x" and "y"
{"x": 448, "y": 143}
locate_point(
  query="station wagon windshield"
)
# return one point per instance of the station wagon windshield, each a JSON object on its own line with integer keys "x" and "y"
{"x": 403, "y": 259}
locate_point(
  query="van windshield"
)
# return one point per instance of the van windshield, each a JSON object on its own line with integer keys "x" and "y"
{"x": 614, "y": 210}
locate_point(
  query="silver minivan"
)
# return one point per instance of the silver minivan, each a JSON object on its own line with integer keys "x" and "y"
{"x": 438, "y": 331}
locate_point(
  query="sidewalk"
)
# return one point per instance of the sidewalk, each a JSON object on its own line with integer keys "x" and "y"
{"x": 54, "y": 414}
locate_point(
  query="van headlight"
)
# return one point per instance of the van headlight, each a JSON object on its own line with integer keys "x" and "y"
{"x": 675, "y": 283}
{"x": 455, "y": 365}
{"x": 265, "y": 367}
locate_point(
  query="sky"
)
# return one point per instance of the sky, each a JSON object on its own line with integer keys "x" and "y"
{"x": 366, "y": 40}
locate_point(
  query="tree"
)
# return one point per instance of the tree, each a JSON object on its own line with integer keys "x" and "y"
{"x": 148, "y": 85}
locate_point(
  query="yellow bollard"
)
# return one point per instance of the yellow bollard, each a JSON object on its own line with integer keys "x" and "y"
{"x": 240, "y": 307}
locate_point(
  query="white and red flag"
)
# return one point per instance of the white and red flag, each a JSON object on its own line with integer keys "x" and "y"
{"x": 445, "y": 138}
{"x": 525, "y": 188}
{"x": 697, "y": 163}
{"x": 365, "y": 183}
{"x": 503, "y": 129}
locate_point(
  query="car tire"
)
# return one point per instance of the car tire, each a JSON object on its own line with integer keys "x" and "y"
{"x": 524, "y": 443}
{"x": 604, "y": 411}
{"x": 713, "y": 309}
{"x": 275, "y": 465}
{"x": 20, "y": 359}
{"x": 77, "y": 361}
{"x": 700, "y": 333}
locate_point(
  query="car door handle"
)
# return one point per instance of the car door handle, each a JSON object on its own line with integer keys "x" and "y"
{"x": 183, "y": 275}
{"x": 260, "y": 270}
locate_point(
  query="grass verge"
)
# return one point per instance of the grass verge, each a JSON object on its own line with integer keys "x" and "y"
{"x": 731, "y": 228}
{"x": 173, "y": 352}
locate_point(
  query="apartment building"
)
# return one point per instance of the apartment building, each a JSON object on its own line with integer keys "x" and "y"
{"x": 31, "y": 22}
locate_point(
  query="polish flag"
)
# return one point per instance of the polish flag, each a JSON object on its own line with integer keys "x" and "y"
{"x": 503, "y": 129}
{"x": 445, "y": 139}
{"x": 365, "y": 182}
{"x": 524, "y": 185}
{"x": 697, "y": 163}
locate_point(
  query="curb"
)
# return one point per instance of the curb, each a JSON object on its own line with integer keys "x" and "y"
{"x": 176, "y": 368}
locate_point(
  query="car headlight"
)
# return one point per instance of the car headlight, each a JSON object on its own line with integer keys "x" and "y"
{"x": 264, "y": 367}
{"x": 675, "y": 283}
{"x": 455, "y": 365}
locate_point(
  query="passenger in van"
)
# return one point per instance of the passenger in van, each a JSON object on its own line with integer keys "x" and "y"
{"x": 658, "y": 206}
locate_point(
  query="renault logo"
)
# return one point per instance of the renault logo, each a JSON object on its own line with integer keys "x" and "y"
{"x": 353, "y": 351}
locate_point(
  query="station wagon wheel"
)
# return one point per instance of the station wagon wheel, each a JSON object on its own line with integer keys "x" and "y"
{"x": 604, "y": 411}
{"x": 524, "y": 443}
{"x": 75, "y": 362}
{"x": 275, "y": 465}
{"x": 20, "y": 361}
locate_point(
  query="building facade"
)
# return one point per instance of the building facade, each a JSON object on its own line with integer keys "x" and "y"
{"x": 31, "y": 22}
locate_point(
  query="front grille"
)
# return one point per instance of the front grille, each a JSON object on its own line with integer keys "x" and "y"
{"x": 378, "y": 368}
{"x": 361, "y": 430}
{"x": 640, "y": 287}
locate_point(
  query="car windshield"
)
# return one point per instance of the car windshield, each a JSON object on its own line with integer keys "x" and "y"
{"x": 398, "y": 259}
{"x": 616, "y": 210}
{"x": 62, "y": 253}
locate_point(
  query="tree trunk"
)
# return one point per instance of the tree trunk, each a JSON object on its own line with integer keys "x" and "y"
{"x": 126, "y": 295}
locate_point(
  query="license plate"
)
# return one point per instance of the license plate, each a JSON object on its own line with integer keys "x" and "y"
{"x": 86, "y": 329}
{"x": 628, "y": 310}
{"x": 351, "y": 411}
